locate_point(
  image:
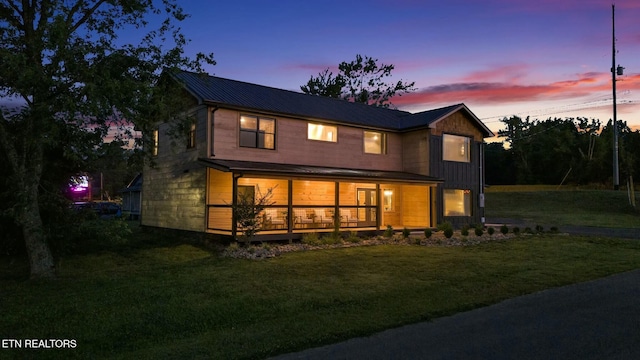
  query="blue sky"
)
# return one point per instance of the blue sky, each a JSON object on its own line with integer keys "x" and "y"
{"x": 542, "y": 58}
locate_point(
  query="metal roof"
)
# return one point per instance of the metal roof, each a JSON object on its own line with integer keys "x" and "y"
{"x": 320, "y": 172}
{"x": 217, "y": 91}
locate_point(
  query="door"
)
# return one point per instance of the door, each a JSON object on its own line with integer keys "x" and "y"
{"x": 367, "y": 207}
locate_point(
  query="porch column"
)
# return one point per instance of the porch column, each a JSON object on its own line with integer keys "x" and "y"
{"x": 234, "y": 204}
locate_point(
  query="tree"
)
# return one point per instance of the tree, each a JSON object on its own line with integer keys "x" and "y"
{"x": 361, "y": 80}
{"x": 248, "y": 211}
{"x": 72, "y": 76}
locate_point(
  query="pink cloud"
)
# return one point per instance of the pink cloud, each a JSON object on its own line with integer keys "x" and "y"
{"x": 508, "y": 92}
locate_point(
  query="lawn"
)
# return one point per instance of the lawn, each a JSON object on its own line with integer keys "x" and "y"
{"x": 606, "y": 208}
{"x": 183, "y": 301}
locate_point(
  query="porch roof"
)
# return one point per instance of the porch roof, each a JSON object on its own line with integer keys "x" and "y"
{"x": 319, "y": 172}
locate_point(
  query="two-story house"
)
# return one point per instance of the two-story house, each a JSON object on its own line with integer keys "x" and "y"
{"x": 325, "y": 161}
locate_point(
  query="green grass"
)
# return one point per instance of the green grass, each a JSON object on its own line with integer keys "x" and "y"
{"x": 554, "y": 208}
{"x": 186, "y": 302}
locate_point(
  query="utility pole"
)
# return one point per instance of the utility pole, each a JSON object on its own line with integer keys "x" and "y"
{"x": 614, "y": 71}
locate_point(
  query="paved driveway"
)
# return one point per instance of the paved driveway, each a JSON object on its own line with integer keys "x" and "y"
{"x": 594, "y": 320}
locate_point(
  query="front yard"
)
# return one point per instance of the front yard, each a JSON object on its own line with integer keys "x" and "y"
{"x": 186, "y": 302}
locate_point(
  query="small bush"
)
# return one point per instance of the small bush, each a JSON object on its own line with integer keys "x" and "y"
{"x": 479, "y": 230}
{"x": 353, "y": 237}
{"x": 491, "y": 230}
{"x": 427, "y": 233}
{"x": 539, "y": 228}
{"x": 516, "y": 230}
{"x": 444, "y": 226}
{"x": 465, "y": 230}
{"x": 528, "y": 230}
{"x": 448, "y": 232}
{"x": 388, "y": 233}
{"x": 504, "y": 229}
{"x": 331, "y": 239}
{"x": 311, "y": 239}
{"x": 405, "y": 233}
{"x": 554, "y": 229}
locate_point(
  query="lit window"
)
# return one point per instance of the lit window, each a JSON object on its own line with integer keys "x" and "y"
{"x": 154, "y": 150}
{"x": 191, "y": 137}
{"x": 457, "y": 202}
{"x": 257, "y": 132}
{"x": 387, "y": 199}
{"x": 322, "y": 132}
{"x": 375, "y": 142}
{"x": 455, "y": 148}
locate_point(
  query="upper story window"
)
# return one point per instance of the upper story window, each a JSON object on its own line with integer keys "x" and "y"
{"x": 322, "y": 132}
{"x": 191, "y": 137}
{"x": 154, "y": 149}
{"x": 375, "y": 142}
{"x": 257, "y": 132}
{"x": 455, "y": 148}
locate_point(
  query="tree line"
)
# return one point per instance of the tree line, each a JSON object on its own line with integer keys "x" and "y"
{"x": 554, "y": 151}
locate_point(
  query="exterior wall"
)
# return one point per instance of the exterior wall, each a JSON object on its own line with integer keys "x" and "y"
{"x": 415, "y": 152}
{"x": 173, "y": 192}
{"x": 293, "y": 147}
{"x": 457, "y": 175}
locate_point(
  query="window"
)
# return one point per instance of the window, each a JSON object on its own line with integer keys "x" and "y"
{"x": 191, "y": 137}
{"x": 154, "y": 150}
{"x": 257, "y": 132}
{"x": 387, "y": 200}
{"x": 457, "y": 202}
{"x": 455, "y": 148}
{"x": 375, "y": 142}
{"x": 322, "y": 132}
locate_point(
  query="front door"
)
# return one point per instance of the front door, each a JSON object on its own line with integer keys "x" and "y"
{"x": 367, "y": 207}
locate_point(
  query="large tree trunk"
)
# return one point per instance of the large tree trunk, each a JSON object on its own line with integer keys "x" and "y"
{"x": 41, "y": 260}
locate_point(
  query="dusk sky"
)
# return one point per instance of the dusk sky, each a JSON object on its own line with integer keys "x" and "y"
{"x": 542, "y": 58}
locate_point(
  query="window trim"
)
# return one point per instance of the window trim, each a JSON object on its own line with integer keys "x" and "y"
{"x": 383, "y": 142}
{"x": 466, "y": 196}
{"x": 334, "y": 138}
{"x": 257, "y": 132}
{"x": 468, "y": 148}
{"x": 191, "y": 136}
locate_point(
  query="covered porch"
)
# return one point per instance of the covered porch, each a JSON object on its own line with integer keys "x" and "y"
{"x": 317, "y": 199}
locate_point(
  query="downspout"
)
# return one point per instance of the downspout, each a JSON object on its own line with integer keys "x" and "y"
{"x": 481, "y": 180}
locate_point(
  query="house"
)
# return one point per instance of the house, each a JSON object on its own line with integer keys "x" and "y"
{"x": 132, "y": 198}
{"x": 325, "y": 160}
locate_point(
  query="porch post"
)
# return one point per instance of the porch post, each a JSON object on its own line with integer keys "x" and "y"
{"x": 336, "y": 206}
{"x": 234, "y": 203}
{"x": 378, "y": 207}
{"x": 290, "y": 209}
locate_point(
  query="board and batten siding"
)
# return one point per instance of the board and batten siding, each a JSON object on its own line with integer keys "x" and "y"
{"x": 457, "y": 175}
{"x": 173, "y": 191}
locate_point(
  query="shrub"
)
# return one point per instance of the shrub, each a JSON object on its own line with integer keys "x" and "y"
{"x": 331, "y": 239}
{"x": 311, "y": 239}
{"x": 539, "y": 228}
{"x": 479, "y": 230}
{"x": 405, "y": 233}
{"x": 528, "y": 230}
{"x": 389, "y": 231}
{"x": 464, "y": 231}
{"x": 491, "y": 230}
{"x": 448, "y": 232}
{"x": 99, "y": 233}
{"x": 353, "y": 237}
{"x": 427, "y": 233}
{"x": 554, "y": 229}
{"x": 444, "y": 226}
{"x": 516, "y": 230}
{"x": 504, "y": 229}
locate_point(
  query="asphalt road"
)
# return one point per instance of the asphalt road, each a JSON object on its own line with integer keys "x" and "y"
{"x": 594, "y": 320}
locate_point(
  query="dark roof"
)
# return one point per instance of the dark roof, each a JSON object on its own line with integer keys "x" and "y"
{"x": 288, "y": 170}
{"x": 212, "y": 90}
{"x": 134, "y": 185}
